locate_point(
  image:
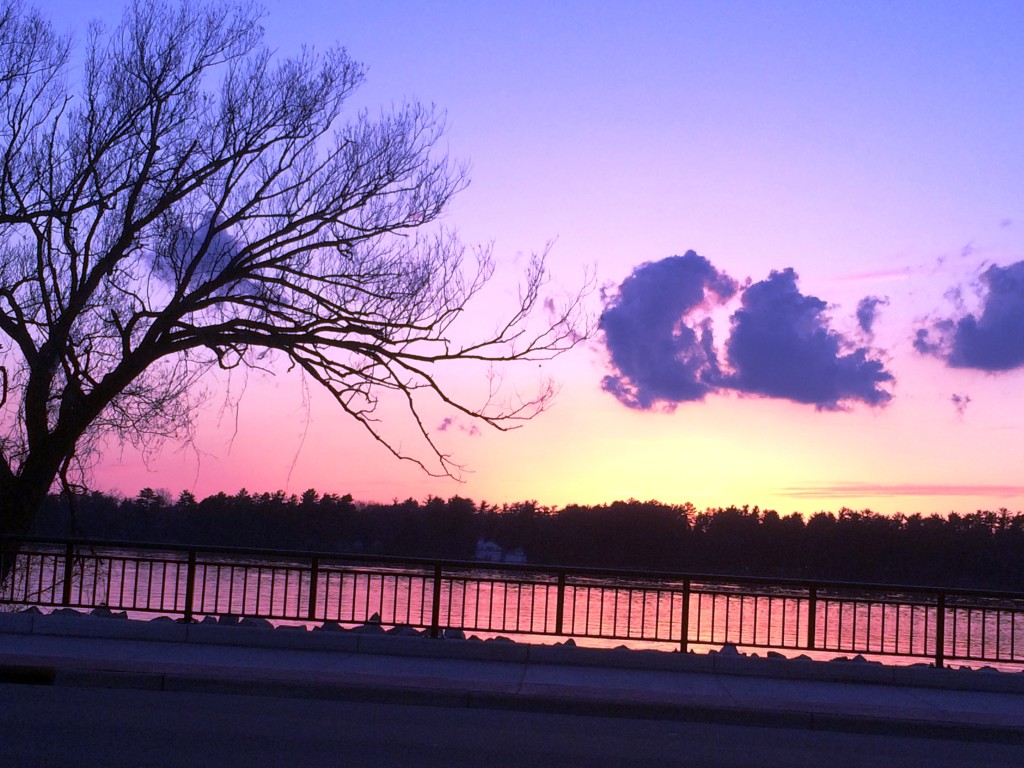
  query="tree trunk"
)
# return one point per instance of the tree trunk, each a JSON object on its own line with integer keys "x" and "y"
{"x": 20, "y": 501}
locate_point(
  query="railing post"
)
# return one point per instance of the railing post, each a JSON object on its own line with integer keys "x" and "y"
{"x": 190, "y": 585}
{"x": 940, "y": 631}
{"x": 812, "y": 615}
{"x": 314, "y": 578}
{"x": 435, "y": 611}
{"x": 684, "y": 629}
{"x": 560, "y": 604}
{"x": 69, "y": 570}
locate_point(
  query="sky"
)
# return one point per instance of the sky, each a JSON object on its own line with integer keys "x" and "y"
{"x": 805, "y": 226}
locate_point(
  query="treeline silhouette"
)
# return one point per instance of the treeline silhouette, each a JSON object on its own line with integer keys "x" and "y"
{"x": 983, "y": 549}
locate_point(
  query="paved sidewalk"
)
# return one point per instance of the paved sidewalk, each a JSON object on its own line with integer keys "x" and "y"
{"x": 367, "y": 664}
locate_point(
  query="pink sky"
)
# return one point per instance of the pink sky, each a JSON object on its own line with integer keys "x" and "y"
{"x": 874, "y": 148}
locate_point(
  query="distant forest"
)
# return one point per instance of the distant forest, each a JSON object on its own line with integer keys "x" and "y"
{"x": 982, "y": 549}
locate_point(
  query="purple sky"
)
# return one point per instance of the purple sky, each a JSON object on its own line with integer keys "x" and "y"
{"x": 849, "y": 177}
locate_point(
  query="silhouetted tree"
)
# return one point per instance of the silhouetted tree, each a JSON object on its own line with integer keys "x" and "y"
{"x": 152, "y": 501}
{"x": 185, "y": 199}
{"x": 984, "y": 550}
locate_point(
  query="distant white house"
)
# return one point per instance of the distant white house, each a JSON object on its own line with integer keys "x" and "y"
{"x": 492, "y": 552}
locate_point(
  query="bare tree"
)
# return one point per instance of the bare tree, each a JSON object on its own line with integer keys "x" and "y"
{"x": 188, "y": 200}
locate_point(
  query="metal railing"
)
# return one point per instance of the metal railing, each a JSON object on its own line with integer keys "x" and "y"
{"x": 686, "y": 611}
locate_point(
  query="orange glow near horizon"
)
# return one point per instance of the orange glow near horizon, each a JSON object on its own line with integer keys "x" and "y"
{"x": 589, "y": 450}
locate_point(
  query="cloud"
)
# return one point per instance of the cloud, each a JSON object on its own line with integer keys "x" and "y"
{"x": 926, "y": 343}
{"x": 844, "y": 490}
{"x": 200, "y": 254}
{"x": 884, "y": 275}
{"x": 660, "y": 350}
{"x": 661, "y": 346}
{"x": 993, "y": 339}
{"x": 960, "y": 402}
{"x": 450, "y": 422}
{"x": 867, "y": 313}
{"x": 781, "y": 346}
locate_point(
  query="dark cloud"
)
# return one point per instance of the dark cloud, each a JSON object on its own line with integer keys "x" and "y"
{"x": 990, "y": 341}
{"x": 960, "y": 402}
{"x": 659, "y": 351}
{"x": 661, "y": 342}
{"x": 201, "y": 256}
{"x": 867, "y": 313}
{"x": 182, "y": 249}
{"x": 934, "y": 340}
{"x": 450, "y": 422}
{"x": 781, "y": 346}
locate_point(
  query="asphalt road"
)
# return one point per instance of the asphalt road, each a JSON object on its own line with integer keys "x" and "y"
{"x": 59, "y": 726}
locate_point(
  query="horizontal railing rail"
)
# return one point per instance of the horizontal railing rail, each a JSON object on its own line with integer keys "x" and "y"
{"x": 686, "y": 610}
